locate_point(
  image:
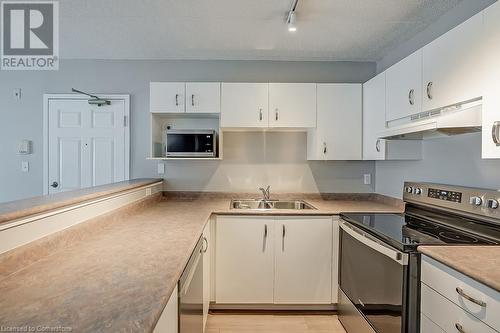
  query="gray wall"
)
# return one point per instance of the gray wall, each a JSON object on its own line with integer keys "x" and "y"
{"x": 23, "y": 119}
{"x": 453, "y": 160}
{"x": 458, "y": 14}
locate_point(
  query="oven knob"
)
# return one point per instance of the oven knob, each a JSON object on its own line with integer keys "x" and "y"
{"x": 476, "y": 201}
{"x": 409, "y": 189}
{"x": 417, "y": 191}
{"x": 492, "y": 203}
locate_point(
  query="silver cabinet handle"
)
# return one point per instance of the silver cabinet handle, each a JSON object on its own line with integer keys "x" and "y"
{"x": 192, "y": 100}
{"x": 265, "y": 231}
{"x": 324, "y": 148}
{"x": 205, "y": 240}
{"x": 461, "y": 292}
{"x": 411, "y": 96}
{"x": 495, "y": 133}
{"x": 260, "y": 114}
{"x": 377, "y": 145}
{"x": 276, "y": 114}
{"x": 176, "y": 99}
{"x": 459, "y": 328}
{"x": 429, "y": 90}
{"x": 283, "y": 238}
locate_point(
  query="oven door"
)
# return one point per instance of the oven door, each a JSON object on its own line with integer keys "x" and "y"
{"x": 372, "y": 295}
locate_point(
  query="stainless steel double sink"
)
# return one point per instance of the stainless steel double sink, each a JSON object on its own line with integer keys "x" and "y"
{"x": 270, "y": 204}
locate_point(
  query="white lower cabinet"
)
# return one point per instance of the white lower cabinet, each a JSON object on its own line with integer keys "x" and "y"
{"x": 457, "y": 303}
{"x": 428, "y": 326}
{"x": 244, "y": 259}
{"x": 206, "y": 272}
{"x": 169, "y": 319}
{"x": 303, "y": 268}
{"x": 280, "y": 260}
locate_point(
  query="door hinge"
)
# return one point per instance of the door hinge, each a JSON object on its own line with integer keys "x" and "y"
{"x": 124, "y": 121}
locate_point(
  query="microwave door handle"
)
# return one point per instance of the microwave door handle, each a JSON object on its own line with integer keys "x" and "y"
{"x": 397, "y": 256}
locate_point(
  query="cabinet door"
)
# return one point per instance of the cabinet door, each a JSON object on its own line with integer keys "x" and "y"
{"x": 303, "y": 273}
{"x": 203, "y": 97}
{"x": 292, "y": 105}
{"x": 206, "y": 272}
{"x": 169, "y": 319}
{"x": 244, "y": 105}
{"x": 491, "y": 70}
{"x": 374, "y": 118}
{"x": 244, "y": 260}
{"x": 450, "y": 66}
{"x": 404, "y": 87}
{"x": 338, "y": 133}
{"x": 167, "y": 97}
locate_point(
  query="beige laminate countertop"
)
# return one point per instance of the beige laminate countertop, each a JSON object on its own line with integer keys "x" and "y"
{"x": 482, "y": 263}
{"x": 118, "y": 276}
{"x": 31, "y": 206}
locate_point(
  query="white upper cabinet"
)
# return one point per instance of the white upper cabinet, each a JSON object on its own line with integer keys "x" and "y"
{"x": 203, "y": 97}
{"x": 338, "y": 134}
{"x": 404, "y": 87}
{"x": 244, "y": 105}
{"x": 374, "y": 118}
{"x": 167, "y": 97}
{"x": 451, "y": 74}
{"x": 292, "y": 105}
{"x": 491, "y": 98}
{"x": 374, "y": 106}
{"x": 303, "y": 273}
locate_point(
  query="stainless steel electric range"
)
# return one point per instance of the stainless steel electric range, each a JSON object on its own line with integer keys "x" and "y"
{"x": 379, "y": 278}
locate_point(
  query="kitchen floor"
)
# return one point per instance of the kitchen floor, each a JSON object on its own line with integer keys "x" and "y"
{"x": 271, "y": 323}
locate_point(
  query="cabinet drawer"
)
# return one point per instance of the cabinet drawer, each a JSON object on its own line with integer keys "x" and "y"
{"x": 446, "y": 280}
{"x": 449, "y": 316}
{"x": 428, "y": 326}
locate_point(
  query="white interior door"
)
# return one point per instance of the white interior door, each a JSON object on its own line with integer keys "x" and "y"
{"x": 87, "y": 144}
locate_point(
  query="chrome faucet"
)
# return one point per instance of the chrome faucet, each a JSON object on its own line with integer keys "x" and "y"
{"x": 266, "y": 193}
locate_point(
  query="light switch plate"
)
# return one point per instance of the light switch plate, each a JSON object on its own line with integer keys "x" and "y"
{"x": 161, "y": 168}
{"x": 367, "y": 179}
{"x": 25, "y": 166}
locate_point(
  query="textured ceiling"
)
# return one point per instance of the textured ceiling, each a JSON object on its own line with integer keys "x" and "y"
{"x": 356, "y": 30}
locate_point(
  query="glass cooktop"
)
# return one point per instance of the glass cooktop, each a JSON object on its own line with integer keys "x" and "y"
{"x": 406, "y": 232}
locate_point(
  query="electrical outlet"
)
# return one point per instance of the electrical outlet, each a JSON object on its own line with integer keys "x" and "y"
{"x": 161, "y": 168}
{"x": 367, "y": 179}
{"x": 17, "y": 93}
{"x": 25, "y": 166}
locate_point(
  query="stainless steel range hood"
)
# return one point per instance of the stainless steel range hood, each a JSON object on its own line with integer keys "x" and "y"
{"x": 459, "y": 119}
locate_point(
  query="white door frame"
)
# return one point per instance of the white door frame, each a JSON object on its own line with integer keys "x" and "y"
{"x": 49, "y": 97}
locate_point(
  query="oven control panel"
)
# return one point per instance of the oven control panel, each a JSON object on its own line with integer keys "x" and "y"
{"x": 477, "y": 201}
{"x": 444, "y": 195}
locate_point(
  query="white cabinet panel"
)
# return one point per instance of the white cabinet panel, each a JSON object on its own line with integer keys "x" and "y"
{"x": 244, "y": 105}
{"x": 404, "y": 87}
{"x": 169, "y": 319}
{"x": 292, "y": 105}
{"x": 167, "y": 97}
{"x": 449, "y": 316}
{"x": 244, "y": 259}
{"x": 203, "y": 97}
{"x": 450, "y": 66}
{"x": 374, "y": 118}
{"x": 207, "y": 267}
{"x": 491, "y": 70}
{"x": 428, "y": 326}
{"x": 303, "y": 247}
{"x": 374, "y": 106}
{"x": 338, "y": 135}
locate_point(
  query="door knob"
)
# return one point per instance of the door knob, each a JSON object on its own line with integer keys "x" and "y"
{"x": 55, "y": 184}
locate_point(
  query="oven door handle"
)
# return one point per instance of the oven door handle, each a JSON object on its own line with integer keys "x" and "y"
{"x": 397, "y": 256}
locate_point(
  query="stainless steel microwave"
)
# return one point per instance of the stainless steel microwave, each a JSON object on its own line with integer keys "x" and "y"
{"x": 191, "y": 143}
